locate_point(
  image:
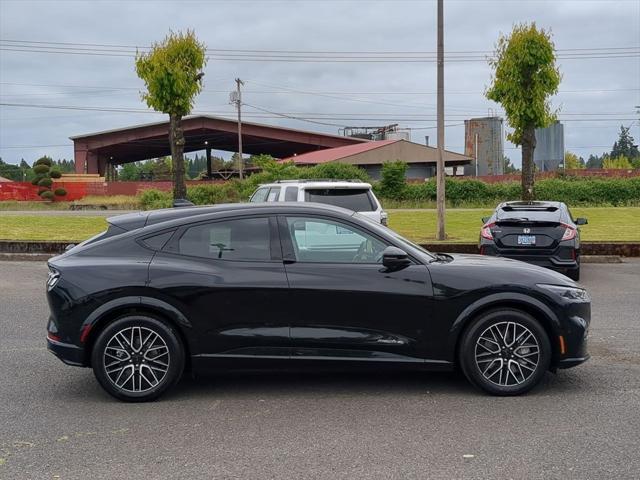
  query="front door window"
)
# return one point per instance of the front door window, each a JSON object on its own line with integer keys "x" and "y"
{"x": 328, "y": 241}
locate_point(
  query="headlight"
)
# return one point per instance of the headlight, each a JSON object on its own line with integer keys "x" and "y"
{"x": 571, "y": 294}
{"x": 52, "y": 279}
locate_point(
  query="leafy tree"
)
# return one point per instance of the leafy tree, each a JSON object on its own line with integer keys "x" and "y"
{"x": 129, "y": 172}
{"x": 65, "y": 166}
{"x": 625, "y": 145}
{"x": 572, "y": 161}
{"x": 393, "y": 182}
{"x": 161, "y": 168}
{"x": 508, "y": 166}
{"x": 172, "y": 73}
{"x": 594, "y": 162}
{"x": 10, "y": 171}
{"x": 620, "y": 162}
{"x": 525, "y": 76}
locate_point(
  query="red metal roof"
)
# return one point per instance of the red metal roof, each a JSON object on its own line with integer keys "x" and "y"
{"x": 332, "y": 154}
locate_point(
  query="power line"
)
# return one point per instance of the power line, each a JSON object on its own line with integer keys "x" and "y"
{"x": 320, "y": 119}
{"x": 303, "y": 92}
{"x": 284, "y": 115}
{"x": 308, "y": 59}
{"x": 311, "y": 52}
{"x": 304, "y": 56}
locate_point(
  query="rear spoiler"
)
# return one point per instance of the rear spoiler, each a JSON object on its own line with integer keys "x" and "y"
{"x": 531, "y": 208}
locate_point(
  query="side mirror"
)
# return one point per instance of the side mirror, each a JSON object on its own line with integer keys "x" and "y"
{"x": 393, "y": 257}
{"x": 581, "y": 221}
{"x": 485, "y": 220}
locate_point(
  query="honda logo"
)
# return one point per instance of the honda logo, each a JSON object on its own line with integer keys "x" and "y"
{"x": 526, "y": 230}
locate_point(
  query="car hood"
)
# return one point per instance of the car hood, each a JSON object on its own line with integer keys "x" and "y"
{"x": 481, "y": 270}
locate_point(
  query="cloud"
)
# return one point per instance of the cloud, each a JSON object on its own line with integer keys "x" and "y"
{"x": 314, "y": 26}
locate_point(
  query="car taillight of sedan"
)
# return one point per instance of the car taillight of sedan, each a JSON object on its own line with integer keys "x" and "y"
{"x": 486, "y": 231}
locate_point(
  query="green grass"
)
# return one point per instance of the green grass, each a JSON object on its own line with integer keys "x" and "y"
{"x": 50, "y": 227}
{"x": 116, "y": 202}
{"x": 463, "y": 225}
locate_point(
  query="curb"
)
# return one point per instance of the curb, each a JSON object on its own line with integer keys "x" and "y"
{"x": 22, "y": 257}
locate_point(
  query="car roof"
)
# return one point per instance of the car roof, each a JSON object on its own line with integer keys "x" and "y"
{"x": 132, "y": 221}
{"x": 320, "y": 183}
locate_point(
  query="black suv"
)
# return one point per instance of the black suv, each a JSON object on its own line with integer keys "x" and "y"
{"x": 300, "y": 286}
{"x": 542, "y": 233}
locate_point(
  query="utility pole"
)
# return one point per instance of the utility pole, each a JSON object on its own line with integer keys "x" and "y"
{"x": 475, "y": 150}
{"x": 236, "y": 97}
{"x": 440, "y": 125}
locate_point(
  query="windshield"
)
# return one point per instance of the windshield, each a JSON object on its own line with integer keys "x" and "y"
{"x": 356, "y": 199}
{"x": 395, "y": 235}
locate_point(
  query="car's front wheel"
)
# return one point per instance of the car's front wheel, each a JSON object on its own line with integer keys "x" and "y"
{"x": 137, "y": 358}
{"x": 505, "y": 352}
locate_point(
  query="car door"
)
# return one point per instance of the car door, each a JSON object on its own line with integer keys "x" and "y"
{"x": 227, "y": 276}
{"x": 344, "y": 305}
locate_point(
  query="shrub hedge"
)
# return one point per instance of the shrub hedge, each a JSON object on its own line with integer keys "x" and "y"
{"x": 394, "y": 191}
{"x": 573, "y": 191}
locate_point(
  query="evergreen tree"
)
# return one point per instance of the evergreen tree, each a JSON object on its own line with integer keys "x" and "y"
{"x": 625, "y": 145}
{"x": 594, "y": 162}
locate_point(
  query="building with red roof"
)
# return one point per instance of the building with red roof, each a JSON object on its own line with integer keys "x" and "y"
{"x": 370, "y": 156}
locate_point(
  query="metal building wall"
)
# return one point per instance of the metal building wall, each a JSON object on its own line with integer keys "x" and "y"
{"x": 549, "y": 151}
{"x": 490, "y": 147}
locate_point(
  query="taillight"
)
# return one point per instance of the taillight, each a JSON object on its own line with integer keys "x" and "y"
{"x": 52, "y": 279}
{"x": 486, "y": 231}
{"x": 53, "y": 336}
{"x": 569, "y": 232}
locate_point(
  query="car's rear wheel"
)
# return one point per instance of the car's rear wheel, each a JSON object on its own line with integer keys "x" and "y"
{"x": 505, "y": 352}
{"x": 137, "y": 358}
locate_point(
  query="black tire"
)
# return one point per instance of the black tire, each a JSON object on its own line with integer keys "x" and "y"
{"x": 478, "y": 362}
{"x": 161, "y": 346}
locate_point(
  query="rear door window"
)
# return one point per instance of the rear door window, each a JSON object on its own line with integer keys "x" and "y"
{"x": 291, "y": 194}
{"x": 356, "y": 199}
{"x": 274, "y": 194}
{"x": 240, "y": 239}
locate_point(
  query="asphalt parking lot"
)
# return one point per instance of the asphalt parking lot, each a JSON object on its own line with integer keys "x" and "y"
{"x": 584, "y": 423}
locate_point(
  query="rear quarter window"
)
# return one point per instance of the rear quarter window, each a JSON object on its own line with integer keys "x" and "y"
{"x": 259, "y": 195}
{"x": 356, "y": 199}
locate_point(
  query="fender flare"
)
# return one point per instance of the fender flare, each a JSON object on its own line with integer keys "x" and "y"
{"x": 151, "y": 303}
{"x": 550, "y": 319}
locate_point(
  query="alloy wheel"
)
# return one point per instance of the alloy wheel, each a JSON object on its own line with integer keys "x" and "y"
{"x": 507, "y": 354}
{"x": 136, "y": 359}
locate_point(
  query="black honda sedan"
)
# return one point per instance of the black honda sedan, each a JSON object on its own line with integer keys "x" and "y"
{"x": 300, "y": 286}
{"x": 542, "y": 233}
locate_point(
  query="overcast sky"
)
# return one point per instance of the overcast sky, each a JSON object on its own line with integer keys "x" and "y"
{"x": 596, "y": 96}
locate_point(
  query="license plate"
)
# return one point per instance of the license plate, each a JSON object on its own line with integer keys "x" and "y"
{"x": 526, "y": 239}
